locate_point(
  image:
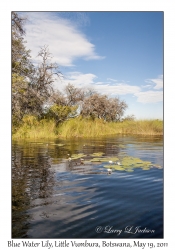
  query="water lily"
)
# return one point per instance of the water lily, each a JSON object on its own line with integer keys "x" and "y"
{"x": 109, "y": 170}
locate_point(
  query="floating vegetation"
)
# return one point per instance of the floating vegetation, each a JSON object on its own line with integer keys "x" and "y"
{"x": 89, "y": 145}
{"x": 121, "y": 146}
{"x": 77, "y": 156}
{"x": 135, "y": 162}
{"x": 106, "y": 159}
{"x": 118, "y": 146}
{"x": 98, "y": 159}
{"x": 158, "y": 166}
{"x": 121, "y": 163}
{"x": 97, "y": 154}
{"x": 58, "y": 144}
{"x": 129, "y": 163}
{"x": 115, "y": 167}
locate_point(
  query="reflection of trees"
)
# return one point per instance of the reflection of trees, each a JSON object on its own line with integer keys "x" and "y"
{"x": 34, "y": 181}
{"x": 107, "y": 148}
{"x": 31, "y": 179}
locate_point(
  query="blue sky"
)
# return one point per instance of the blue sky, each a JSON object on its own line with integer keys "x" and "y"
{"x": 116, "y": 53}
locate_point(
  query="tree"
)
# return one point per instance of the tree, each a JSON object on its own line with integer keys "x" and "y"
{"x": 45, "y": 73}
{"x": 58, "y": 98}
{"x": 74, "y": 95}
{"x": 22, "y": 68}
{"x": 60, "y": 113}
{"x": 40, "y": 87}
{"x": 21, "y": 64}
{"x": 102, "y": 107}
{"x": 31, "y": 86}
{"x": 129, "y": 118}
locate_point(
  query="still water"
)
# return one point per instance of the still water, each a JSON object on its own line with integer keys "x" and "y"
{"x": 57, "y": 197}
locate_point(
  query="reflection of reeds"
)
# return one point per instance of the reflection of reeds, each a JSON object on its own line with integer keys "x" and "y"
{"x": 79, "y": 127}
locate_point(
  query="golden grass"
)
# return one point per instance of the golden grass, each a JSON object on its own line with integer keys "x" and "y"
{"x": 78, "y": 127}
{"x": 43, "y": 129}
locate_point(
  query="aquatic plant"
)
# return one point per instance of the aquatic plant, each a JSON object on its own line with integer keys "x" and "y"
{"x": 114, "y": 167}
{"x": 129, "y": 163}
{"x": 104, "y": 159}
{"x": 77, "y": 156}
{"x": 97, "y": 154}
{"x": 58, "y": 144}
{"x": 79, "y": 127}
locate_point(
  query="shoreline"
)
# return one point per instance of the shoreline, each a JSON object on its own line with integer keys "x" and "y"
{"x": 85, "y": 128}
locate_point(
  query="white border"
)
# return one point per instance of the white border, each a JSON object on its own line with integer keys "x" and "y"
{"x": 5, "y": 96}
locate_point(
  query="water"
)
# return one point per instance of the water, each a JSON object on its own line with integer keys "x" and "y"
{"x": 55, "y": 198}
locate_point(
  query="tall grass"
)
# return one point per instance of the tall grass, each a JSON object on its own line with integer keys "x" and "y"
{"x": 142, "y": 127}
{"x": 78, "y": 127}
{"x": 32, "y": 128}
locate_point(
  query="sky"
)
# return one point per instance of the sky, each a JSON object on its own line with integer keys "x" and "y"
{"x": 119, "y": 54}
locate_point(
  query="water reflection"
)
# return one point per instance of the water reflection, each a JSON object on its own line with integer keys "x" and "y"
{"x": 52, "y": 197}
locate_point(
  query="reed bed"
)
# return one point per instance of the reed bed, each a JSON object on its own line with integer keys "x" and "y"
{"x": 88, "y": 128}
{"x": 43, "y": 129}
{"x": 79, "y": 127}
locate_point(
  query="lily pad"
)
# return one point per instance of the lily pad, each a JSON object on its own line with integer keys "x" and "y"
{"x": 97, "y": 154}
{"x": 97, "y": 160}
{"x": 115, "y": 167}
{"x": 158, "y": 166}
{"x": 121, "y": 146}
{"x": 129, "y": 163}
{"x": 106, "y": 159}
{"x": 59, "y": 144}
{"x": 129, "y": 170}
{"x": 77, "y": 156}
{"x": 133, "y": 162}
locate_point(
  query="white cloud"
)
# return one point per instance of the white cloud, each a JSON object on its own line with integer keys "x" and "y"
{"x": 66, "y": 42}
{"x": 88, "y": 81}
{"x": 146, "y": 86}
{"x": 118, "y": 89}
{"x": 157, "y": 81}
{"x": 78, "y": 79}
{"x": 81, "y": 80}
{"x": 149, "y": 96}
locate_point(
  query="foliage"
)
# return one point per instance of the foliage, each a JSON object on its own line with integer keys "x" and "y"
{"x": 21, "y": 69}
{"x": 129, "y": 163}
{"x": 45, "y": 74}
{"x": 32, "y": 128}
{"x": 21, "y": 64}
{"x": 129, "y": 118}
{"x": 75, "y": 112}
{"x": 58, "y": 98}
{"x": 82, "y": 127}
{"x": 77, "y": 156}
{"x": 59, "y": 113}
{"x": 78, "y": 127}
{"x": 102, "y": 107}
{"x": 31, "y": 86}
{"x": 74, "y": 95}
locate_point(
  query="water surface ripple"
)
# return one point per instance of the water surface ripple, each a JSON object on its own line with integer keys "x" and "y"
{"x": 52, "y": 198}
